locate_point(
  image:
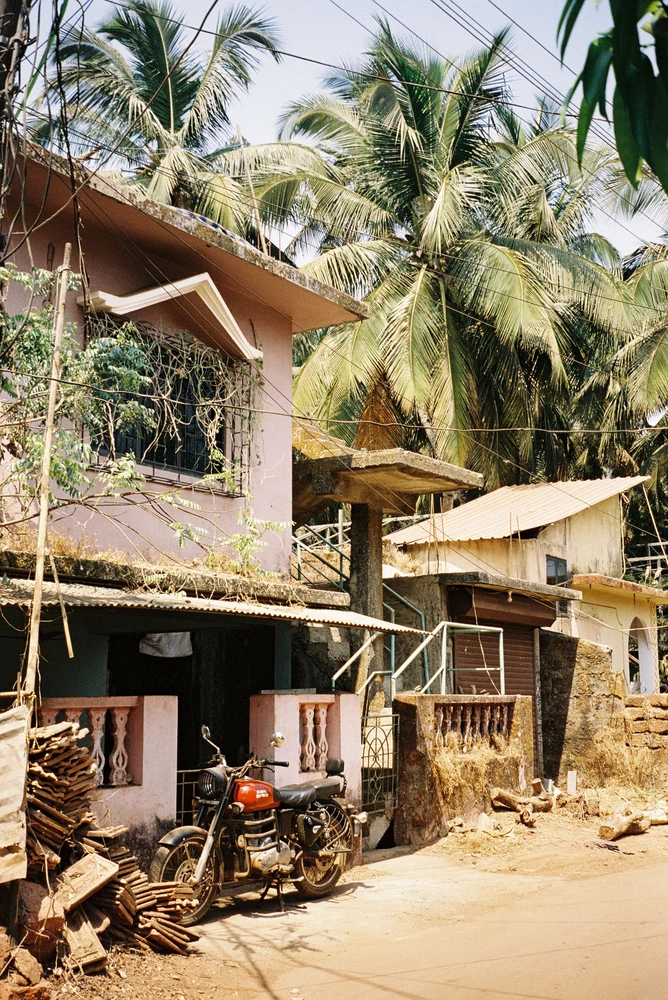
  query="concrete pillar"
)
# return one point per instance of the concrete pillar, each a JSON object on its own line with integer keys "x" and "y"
{"x": 366, "y": 578}
{"x": 282, "y": 656}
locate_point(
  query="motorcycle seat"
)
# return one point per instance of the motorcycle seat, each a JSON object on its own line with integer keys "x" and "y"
{"x": 296, "y": 796}
{"x": 327, "y": 788}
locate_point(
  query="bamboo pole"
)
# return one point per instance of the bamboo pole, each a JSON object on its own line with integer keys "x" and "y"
{"x": 32, "y": 658}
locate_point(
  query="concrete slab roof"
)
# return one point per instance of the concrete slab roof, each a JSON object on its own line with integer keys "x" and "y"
{"x": 596, "y": 581}
{"x": 198, "y": 243}
{"x": 390, "y": 479}
{"x": 493, "y": 581}
{"x": 192, "y": 580}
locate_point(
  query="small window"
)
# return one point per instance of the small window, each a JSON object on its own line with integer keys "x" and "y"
{"x": 557, "y": 571}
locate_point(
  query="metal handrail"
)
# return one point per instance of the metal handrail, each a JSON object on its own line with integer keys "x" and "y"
{"x": 302, "y": 545}
{"x": 423, "y": 623}
{"x": 355, "y": 656}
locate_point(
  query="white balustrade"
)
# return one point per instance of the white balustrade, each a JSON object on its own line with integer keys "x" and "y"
{"x": 314, "y": 747}
{"x": 97, "y": 712}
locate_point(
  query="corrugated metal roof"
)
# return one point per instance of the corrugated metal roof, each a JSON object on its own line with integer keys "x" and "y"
{"x": 13, "y": 750}
{"x": 513, "y": 509}
{"x": 19, "y": 592}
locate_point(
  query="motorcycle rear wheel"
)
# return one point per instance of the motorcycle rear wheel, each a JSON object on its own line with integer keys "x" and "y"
{"x": 319, "y": 876}
{"x": 178, "y": 863}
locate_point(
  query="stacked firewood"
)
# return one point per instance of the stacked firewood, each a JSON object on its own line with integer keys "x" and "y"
{"x": 61, "y": 782}
{"x": 103, "y": 892}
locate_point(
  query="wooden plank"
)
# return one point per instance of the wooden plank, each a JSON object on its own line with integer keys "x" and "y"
{"x": 83, "y": 879}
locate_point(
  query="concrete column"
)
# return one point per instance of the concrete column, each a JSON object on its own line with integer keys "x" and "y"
{"x": 282, "y": 656}
{"x": 366, "y": 578}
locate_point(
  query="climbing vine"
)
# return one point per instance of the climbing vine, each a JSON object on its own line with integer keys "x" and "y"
{"x": 131, "y": 395}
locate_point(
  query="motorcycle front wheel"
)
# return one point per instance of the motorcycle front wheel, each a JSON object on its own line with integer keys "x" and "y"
{"x": 178, "y": 863}
{"x": 319, "y": 875}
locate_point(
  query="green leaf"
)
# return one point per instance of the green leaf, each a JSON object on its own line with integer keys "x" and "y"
{"x": 661, "y": 47}
{"x": 569, "y": 16}
{"x": 626, "y": 144}
{"x": 594, "y": 80}
{"x": 659, "y": 148}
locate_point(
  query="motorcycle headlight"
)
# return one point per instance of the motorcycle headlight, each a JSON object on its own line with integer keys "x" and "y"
{"x": 210, "y": 783}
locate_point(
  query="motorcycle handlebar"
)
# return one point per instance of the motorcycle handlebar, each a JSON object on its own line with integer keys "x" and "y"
{"x": 280, "y": 763}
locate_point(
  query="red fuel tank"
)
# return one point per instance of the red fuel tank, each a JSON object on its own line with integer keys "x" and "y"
{"x": 254, "y": 795}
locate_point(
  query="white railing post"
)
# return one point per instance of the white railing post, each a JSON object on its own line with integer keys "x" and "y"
{"x": 118, "y": 758}
{"x": 308, "y": 747}
{"x": 96, "y": 721}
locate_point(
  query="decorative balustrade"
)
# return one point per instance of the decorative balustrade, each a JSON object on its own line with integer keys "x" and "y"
{"x": 107, "y": 721}
{"x": 314, "y": 746}
{"x": 474, "y": 718}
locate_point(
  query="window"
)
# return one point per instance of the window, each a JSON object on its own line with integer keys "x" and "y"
{"x": 181, "y": 445}
{"x": 557, "y": 571}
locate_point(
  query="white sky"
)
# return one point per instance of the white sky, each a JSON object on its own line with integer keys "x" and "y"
{"x": 321, "y": 30}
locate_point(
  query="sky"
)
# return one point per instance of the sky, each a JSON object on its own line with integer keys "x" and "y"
{"x": 339, "y": 30}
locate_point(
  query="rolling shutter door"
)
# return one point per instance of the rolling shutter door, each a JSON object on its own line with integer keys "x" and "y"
{"x": 473, "y": 651}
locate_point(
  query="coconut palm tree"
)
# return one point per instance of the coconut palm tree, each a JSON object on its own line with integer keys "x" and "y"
{"x": 135, "y": 86}
{"x": 466, "y": 232}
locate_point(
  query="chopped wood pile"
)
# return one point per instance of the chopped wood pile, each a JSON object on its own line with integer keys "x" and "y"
{"x": 91, "y": 884}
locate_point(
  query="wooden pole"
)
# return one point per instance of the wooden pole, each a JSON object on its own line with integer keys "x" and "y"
{"x": 32, "y": 659}
{"x": 256, "y": 209}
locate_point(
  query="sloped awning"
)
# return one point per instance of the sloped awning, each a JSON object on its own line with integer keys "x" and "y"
{"x": 229, "y": 334}
{"x": 20, "y": 592}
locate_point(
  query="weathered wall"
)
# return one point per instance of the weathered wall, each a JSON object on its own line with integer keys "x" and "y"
{"x": 590, "y": 542}
{"x": 424, "y": 805}
{"x": 114, "y": 265}
{"x": 581, "y": 696}
{"x": 425, "y": 593}
{"x": 605, "y": 616}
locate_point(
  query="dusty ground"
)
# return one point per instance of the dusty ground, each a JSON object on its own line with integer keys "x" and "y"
{"x": 248, "y": 946}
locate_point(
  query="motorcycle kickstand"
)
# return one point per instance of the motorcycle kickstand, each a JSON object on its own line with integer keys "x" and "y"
{"x": 279, "y": 893}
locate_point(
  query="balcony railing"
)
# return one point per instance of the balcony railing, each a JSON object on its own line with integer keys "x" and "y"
{"x": 107, "y": 721}
{"x": 474, "y": 718}
{"x": 314, "y": 746}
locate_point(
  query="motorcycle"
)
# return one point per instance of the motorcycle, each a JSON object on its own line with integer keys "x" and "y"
{"x": 249, "y": 835}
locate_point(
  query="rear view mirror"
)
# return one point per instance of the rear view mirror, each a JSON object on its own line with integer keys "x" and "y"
{"x": 206, "y": 732}
{"x": 277, "y": 739}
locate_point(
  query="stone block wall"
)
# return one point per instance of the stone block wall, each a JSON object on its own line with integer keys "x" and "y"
{"x": 646, "y": 721}
{"x": 581, "y": 696}
{"x": 424, "y": 805}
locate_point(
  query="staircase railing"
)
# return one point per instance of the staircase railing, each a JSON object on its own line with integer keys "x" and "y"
{"x": 342, "y": 572}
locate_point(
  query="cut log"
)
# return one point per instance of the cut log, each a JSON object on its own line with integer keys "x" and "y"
{"x": 624, "y": 826}
{"x": 503, "y": 799}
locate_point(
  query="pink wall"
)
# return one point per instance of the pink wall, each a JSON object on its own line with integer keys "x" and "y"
{"x": 116, "y": 265}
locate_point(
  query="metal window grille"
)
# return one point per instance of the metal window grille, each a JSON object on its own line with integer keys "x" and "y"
{"x": 183, "y": 445}
{"x": 186, "y": 789}
{"x": 380, "y": 739}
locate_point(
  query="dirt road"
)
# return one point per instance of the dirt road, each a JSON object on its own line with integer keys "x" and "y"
{"x": 433, "y": 926}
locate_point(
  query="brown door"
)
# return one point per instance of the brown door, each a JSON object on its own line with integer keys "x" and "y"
{"x": 481, "y": 650}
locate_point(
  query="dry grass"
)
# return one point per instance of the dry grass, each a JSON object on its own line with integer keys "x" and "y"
{"x": 468, "y": 773}
{"x": 610, "y": 762}
{"x": 400, "y": 560}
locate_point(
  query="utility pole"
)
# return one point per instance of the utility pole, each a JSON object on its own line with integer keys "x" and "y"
{"x": 27, "y": 692}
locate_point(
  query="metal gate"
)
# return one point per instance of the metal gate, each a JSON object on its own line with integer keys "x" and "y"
{"x": 380, "y": 744}
{"x": 186, "y": 790}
